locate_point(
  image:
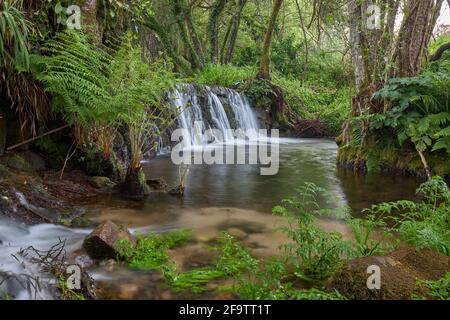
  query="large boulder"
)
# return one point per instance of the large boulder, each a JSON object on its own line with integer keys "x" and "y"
{"x": 400, "y": 271}
{"x": 105, "y": 241}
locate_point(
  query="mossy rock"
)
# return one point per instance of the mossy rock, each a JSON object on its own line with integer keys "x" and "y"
{"x": 101, "y": 182}
{"x": 135, "y": 185}
{"x": 95, "y": 164}
{"x": 4, "y": 172}
{"x": 19, "y": 163}
{"x": 392, "y": 160}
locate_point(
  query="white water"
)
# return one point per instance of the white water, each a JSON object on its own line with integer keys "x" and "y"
{"x": 22, "y": 272}
{"x": 186, "y": 99}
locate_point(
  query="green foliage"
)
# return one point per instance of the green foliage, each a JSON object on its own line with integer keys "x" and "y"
{"x": 259, "y": 91}
{"x": 420, "y": 109}
{"x": 224, "y": 75}
{"x": 426, "y": 224}
{"x": 330, "y": 105}
{"x": 137, "y": 89}
{"x": 262, "y": 279}
{"x": 366, "y": 242}
{"x": 437, "y": 290}
{"x": 288, "y": 59}
{"x": 77, "y": 75}
{"x": 151, "y": 250}
{"x": 151, "y": 253}
{"x": 194, "y": 280}
{"x": 234, "y": 259}
{"x": 14, "y": 29}
{"x": 315, "y": 253}
{"x": 439, "y": 41}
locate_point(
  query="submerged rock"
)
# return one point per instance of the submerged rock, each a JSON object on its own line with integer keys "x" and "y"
{"x": 177, "y": 191}
{"x": 237, "y": 233}
{"x": 104, "y": 241}
{"x": 157, "y": 184}
{"x": 101, "y": 182}
{"x": 399, "y": 274}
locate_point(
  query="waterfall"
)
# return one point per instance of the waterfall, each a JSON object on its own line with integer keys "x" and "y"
{"x": 202, "y": 108}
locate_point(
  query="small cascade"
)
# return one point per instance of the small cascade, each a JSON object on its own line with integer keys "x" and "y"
{"x": 202, "y": 108}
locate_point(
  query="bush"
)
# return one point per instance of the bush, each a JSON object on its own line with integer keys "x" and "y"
{"x": 224, "y": 75}
{"x": 314, "y": 253}
{"x": 331, "y": 106}
{"x": 425, "y": 225}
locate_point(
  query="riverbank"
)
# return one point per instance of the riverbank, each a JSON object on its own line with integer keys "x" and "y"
{"x": 32, "y": 194}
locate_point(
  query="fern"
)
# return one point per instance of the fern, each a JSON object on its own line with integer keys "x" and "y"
{"x": 420, "y": 110}
{"x": 77, "y": 75}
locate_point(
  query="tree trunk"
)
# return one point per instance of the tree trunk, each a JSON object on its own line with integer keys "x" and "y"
{"x": 235, "y": 23}
{"x": 415, "y": 34}
{"x": 181, "y": 14}
{"x": 371, "y": 44}
{"x": 264, "y": 68}
{"x": 217, "y": 9}
{"x": 151, "y": 23}
{"x": 194, "y": 35}
{"x": 135, "y": 185}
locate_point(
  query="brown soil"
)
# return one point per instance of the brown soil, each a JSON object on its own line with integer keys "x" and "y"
{"x": 48, "y": 198}
{"x": 399, "y": 274}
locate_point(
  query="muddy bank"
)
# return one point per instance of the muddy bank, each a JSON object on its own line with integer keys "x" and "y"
{"x": 32, "y": 194}
{"x": 400, "y": 272}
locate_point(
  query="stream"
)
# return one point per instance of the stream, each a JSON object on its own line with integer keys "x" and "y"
{"x": 232, "y": 198}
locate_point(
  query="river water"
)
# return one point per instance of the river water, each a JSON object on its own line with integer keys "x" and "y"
{"x": 218, "y": 197}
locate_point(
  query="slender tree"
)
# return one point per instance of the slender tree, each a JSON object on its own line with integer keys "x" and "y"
{"x": 264, "y": 68}
{"x": 213, "y": 29}
{"x": 182, "y": 15}
{"x": 234, "y": 30}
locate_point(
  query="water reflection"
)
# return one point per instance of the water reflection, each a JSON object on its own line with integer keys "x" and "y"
{"x": 242, "y": 186}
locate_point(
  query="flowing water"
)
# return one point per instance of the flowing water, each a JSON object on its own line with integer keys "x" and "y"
{"x": 235, "y": 198}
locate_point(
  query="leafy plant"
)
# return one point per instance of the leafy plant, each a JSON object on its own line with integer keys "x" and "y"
{"x": 77, "y": 75}
{"x": 425, "y": 224}
{"x": 138, "y": 88}
{"x": 224, "y": 75}
{"x": 315, "y": 253}
{"x": 420, "y": 111}
{"x": 234, "y": 259}
{"x": 25, "y": 97}
{"x": 366, "y": 243}
{"x": 263, "y": 279}
{"x": 438, "y": 290}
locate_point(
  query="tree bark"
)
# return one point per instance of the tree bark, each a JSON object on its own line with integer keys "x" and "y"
{"x": 264, "y": 68}
{"x": 371, "y": 48}
{"x": 235, "y": 24}
{"x": 180, "y": 12}
{"x": 151, "y": 23}
{"x": 415, "y": 34}
{"x": 213, "y": 31}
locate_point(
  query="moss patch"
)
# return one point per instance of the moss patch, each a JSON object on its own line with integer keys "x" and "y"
{"x": 19, "y": 163}
{"x": 389, "y": 159}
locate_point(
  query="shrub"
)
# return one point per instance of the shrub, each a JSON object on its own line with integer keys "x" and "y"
{"x": 224, "y": 75}
{"x": 426, "y": 224}
{"x": 315, "y": 253}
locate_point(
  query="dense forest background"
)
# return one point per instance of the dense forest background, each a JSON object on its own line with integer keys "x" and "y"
{"x": 375, "y": 74}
